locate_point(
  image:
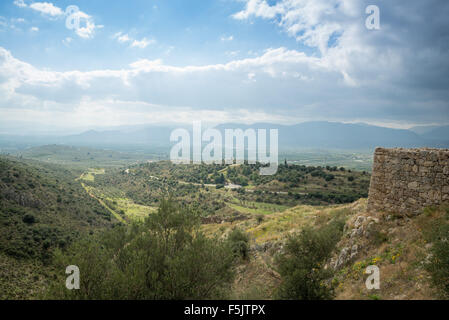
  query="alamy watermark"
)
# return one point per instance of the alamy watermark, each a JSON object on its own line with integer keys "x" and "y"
{"x": 372, "y": 22}
{"x": 233, "y": 147}
{"x": 73, "y": 280}
{"x": 373, "y": 280}
{"x": 74, "y": 18}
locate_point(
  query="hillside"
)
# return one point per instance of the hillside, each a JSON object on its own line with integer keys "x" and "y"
{"x": 398, "y": 245}
{"x": 231, "y": 190}
{"x": 45, "y": 207}
{"x": 42, "y": 207}
{"x": 401, "y": 247}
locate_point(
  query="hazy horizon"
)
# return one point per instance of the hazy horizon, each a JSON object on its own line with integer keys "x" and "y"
{"x": 55, "y": 131}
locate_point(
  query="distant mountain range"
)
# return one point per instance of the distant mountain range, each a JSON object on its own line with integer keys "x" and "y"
{"x": 319, "y": 135}
{"x": 335, "y": 135}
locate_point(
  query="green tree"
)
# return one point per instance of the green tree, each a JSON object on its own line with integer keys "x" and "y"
{"x": 166, "y": 257}
{"x": 301, "y": 265}
{"x": 239, "y": 242}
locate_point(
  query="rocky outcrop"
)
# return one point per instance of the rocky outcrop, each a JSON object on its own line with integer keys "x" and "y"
{"x": 405, "y": 181}
{"x": 357, "y": 232}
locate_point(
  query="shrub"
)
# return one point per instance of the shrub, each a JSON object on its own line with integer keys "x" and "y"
{"x": 28, "y": 219}
{"x": 438, "y": 265}
{"x": 165, "y": 257}
{"x": 301, "y": 265}
{"x": 239, "y": 242}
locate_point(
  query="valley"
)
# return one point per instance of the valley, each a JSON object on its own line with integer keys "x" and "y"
{"x": 49, "y": 208}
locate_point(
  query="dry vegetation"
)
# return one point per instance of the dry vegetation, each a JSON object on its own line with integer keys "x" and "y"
{"x": 396, "y": 244}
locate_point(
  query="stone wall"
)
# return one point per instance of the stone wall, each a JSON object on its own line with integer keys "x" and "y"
{"x": 407, "y": 180}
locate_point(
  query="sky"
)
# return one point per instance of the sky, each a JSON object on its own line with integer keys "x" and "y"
{"x": 176, "y": 61}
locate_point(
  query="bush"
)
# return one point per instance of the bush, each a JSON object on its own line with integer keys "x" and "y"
{"x": 438, "y": 265}
{"x": 28, "y": 219}
{"x": 239, "y": 242}
{"x": 301, "y": 265}
{"x": 166, "y": 257}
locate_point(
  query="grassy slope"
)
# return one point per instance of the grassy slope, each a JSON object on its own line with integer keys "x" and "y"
{"x": 395, "y": 244}
{"x": 122, "y": 208}
{"x": 398, "y": 246}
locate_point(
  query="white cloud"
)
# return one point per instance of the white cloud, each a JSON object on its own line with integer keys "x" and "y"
{"x": 20, "y": 3}
{"x": 18, "y": 20}
{"x": 310, "y": 21}
{"x": 67, "y": 41}
{"x": 335, "y": 29}
{"x": 258, "y": 8}
{"x": 142, "y": 43}
{"x": 87, "y": 25}
{"x": 395, "y": 75}
{"x": 229, "y": 38}
{"x": 146, "y": 80}
{"x": 232, "y": 53}
{"x": 125, "y": 38}
{"x": 10, "y": 23}
{"x": 47, "y": 8}
{"x": 290, "y": 86}
{"x": 116, "y": 113}
{"x": 34, "y": 29}
{"x": 122, "y": 38}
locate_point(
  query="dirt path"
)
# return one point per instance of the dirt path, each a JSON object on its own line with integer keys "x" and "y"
{"x": 86, "y": 188}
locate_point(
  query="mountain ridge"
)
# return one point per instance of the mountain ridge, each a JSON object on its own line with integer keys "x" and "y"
{"x": 316, "y": 134}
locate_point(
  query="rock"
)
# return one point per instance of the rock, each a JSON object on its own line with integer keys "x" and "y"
{"x": 346, "y": 255}
{"x": 342, "y": 258}
{"x": 357, "y": 232}
{"x": 359, "y": 221}
{"x": 413, "y": 185}
{"x": 354, "y": 251}
{"x": 368, "y": 229}
{"x": 373, "y": 219}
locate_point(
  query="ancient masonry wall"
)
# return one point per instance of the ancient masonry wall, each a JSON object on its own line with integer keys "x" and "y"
{"x": 405, "y": 181}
